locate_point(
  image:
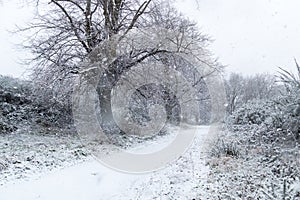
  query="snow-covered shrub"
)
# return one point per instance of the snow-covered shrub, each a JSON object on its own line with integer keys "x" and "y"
{"x": 284, "y": 191}
{"x": 13, "y": 84}
{"x": 13, "y": 94}
{"x": 224, "y": 149}
{"x": 6, "y": 127}
{"x": 20, "y": 106}
{"x": 266, "y": 133}
{"x": 290, "y": 119}
{"x": 280, "y": 112}
{"x": 267, "y": 168}
{"x": 3, "y": 164}
{"x": 290, "y": 102}
{"x": 257, "y": 112}
{"x": 277, "y": 114}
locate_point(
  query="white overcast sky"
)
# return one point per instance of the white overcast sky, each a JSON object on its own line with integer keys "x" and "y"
{"x": 250, "y": 36}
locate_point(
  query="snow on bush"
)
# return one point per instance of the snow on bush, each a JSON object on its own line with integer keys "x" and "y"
{"x": 267, "y": 166}
{"x": 256, "y": 112}
{"x": 278, "y": 114}
{"x": 281, "y": 112}
{"x": 21, "y": 107}
{"x": 266, "y": 133}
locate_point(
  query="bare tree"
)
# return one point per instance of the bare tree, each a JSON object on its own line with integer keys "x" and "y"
{"x": 259, "y": 86}
{"x": 241, "y": 90}
{"x": 235, "y": 90}
{"x": 68, "y": 32}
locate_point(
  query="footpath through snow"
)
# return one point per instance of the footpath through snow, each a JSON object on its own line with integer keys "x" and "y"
{"x": 182, "y": 179}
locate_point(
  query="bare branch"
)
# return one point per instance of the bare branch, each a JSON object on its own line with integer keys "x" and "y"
{"x": 72, "y": 25}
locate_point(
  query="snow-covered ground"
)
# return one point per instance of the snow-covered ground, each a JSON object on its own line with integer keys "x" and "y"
{"x": 89, "y": 180}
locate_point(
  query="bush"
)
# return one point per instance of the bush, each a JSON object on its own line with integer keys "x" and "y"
{"x": 275, "y": 115}
{"x": 290, "y": 103}
{"x": 257, "y": 112}
{"x": 20, "y": 106}
{"x": 281, "y": 113}
{"x": 6, "y": 127}
{"x": 224, "y": 149}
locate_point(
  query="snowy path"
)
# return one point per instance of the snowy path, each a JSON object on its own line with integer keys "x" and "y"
{"x": 92, "y": 181}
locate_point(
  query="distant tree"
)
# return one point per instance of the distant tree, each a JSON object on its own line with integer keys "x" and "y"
{"x": 235, "y": 91}
{"x": 259, "y": 86}
{"x": 241, "y": 89}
